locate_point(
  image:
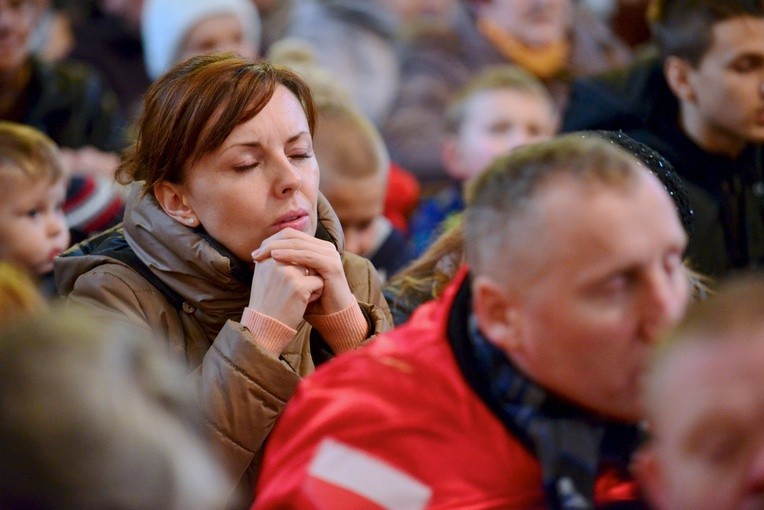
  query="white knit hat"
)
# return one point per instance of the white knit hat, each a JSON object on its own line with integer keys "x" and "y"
{"x": 164, "y": 24}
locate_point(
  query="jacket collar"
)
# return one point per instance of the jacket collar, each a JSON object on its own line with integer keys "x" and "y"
{"x": 208, "y": 276}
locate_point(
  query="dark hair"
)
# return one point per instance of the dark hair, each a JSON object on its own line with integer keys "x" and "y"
{"x": 190, "y": 111}
{"x": 683, "y": 28}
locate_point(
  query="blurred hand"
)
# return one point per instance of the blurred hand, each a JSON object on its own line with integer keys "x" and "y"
{"x": 90, "y": 161}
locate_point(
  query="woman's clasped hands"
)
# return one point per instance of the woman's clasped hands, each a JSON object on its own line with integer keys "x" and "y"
{"x": 296, "y": 275}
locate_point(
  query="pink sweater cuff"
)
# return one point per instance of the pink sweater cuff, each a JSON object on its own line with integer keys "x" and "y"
{"x": 269, "y": 333}
{"x": 343, "y": 330}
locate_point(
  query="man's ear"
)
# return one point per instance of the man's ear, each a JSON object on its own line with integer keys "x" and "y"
{"x": 647, "y": 470}
{"x": 172, "y": 199}
{"x": 497, "y": 313}
{"x": 677, "y": 72}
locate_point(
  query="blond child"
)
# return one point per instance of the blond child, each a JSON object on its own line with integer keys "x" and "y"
{"x": 354, "y": 170}
{"x": 33, "y": 180}
{"x": 502, "y": 108}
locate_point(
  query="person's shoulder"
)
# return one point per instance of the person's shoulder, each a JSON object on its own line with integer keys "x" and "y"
{"x": 617, "y": 98}
{"x": 87, "y": 267}
{"x": 398, "y": 360}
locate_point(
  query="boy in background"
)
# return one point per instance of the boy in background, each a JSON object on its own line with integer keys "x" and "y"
{"x": 33, "y": 181}
{"x": 500, "y": 109}
{"x": 354, "y": 170}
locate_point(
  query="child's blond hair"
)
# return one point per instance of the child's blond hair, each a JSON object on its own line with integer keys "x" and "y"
{"x": 498, "y": 77}
{"x": 26, "y": 150}
{"x": 350, "y": 146}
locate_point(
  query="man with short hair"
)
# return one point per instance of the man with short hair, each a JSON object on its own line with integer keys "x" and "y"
{"x": 705, "y": 405}
{"x": 700, "y": 103}
{"x": 518, "y": 388}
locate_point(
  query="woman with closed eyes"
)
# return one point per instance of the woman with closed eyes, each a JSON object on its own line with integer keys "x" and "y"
{"x": 227, "y": 249}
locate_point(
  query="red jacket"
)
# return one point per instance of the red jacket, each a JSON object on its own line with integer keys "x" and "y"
{"x": 395, "y": 425}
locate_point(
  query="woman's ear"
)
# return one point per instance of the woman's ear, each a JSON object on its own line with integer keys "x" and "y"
{"x": 497, "y": 315}
{"x": 172, "y": 199}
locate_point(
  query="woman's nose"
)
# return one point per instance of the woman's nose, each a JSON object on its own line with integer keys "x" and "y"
{"x": 288, "y": 179}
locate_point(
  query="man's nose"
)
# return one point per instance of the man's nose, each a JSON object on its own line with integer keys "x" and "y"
{"x": 664, "y": 304}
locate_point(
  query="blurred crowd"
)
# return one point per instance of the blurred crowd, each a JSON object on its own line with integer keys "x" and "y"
{"x": 381, "y": 254}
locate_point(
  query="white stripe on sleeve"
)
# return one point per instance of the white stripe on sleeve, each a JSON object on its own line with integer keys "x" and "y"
{"x": 372, "y": 478}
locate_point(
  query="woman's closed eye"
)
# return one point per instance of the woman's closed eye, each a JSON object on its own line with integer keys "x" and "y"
{"x": 301, "y": 155}
{"x": 244, "y": 167}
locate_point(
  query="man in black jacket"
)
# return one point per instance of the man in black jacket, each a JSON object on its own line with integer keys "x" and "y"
{"x": 700, "y": 103}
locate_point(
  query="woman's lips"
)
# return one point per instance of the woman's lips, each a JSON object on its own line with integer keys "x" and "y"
{"x": 297, "y": 220}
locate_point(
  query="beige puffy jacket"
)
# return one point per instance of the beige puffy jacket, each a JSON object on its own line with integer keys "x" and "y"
{"x": 241, "y": 388}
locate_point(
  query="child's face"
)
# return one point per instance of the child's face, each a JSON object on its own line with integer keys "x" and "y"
{"x": 217, "y": 33}
{"x": 33, "y": 228}
{"x": 495, "y": 122}
{"x": 534, "y": 22}
{"x": 358, "y": 203}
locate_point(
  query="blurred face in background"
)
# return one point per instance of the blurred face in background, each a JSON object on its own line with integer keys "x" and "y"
{"x": 18, "y": 19}
{"x": 358, "y": 204}
{"x": 707, "y": 451}
{"x": 495, "y": 122}
{"x": 536, "y": 23}
{"x": 223, "y": 32}
{"x": 424, "y": 11}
